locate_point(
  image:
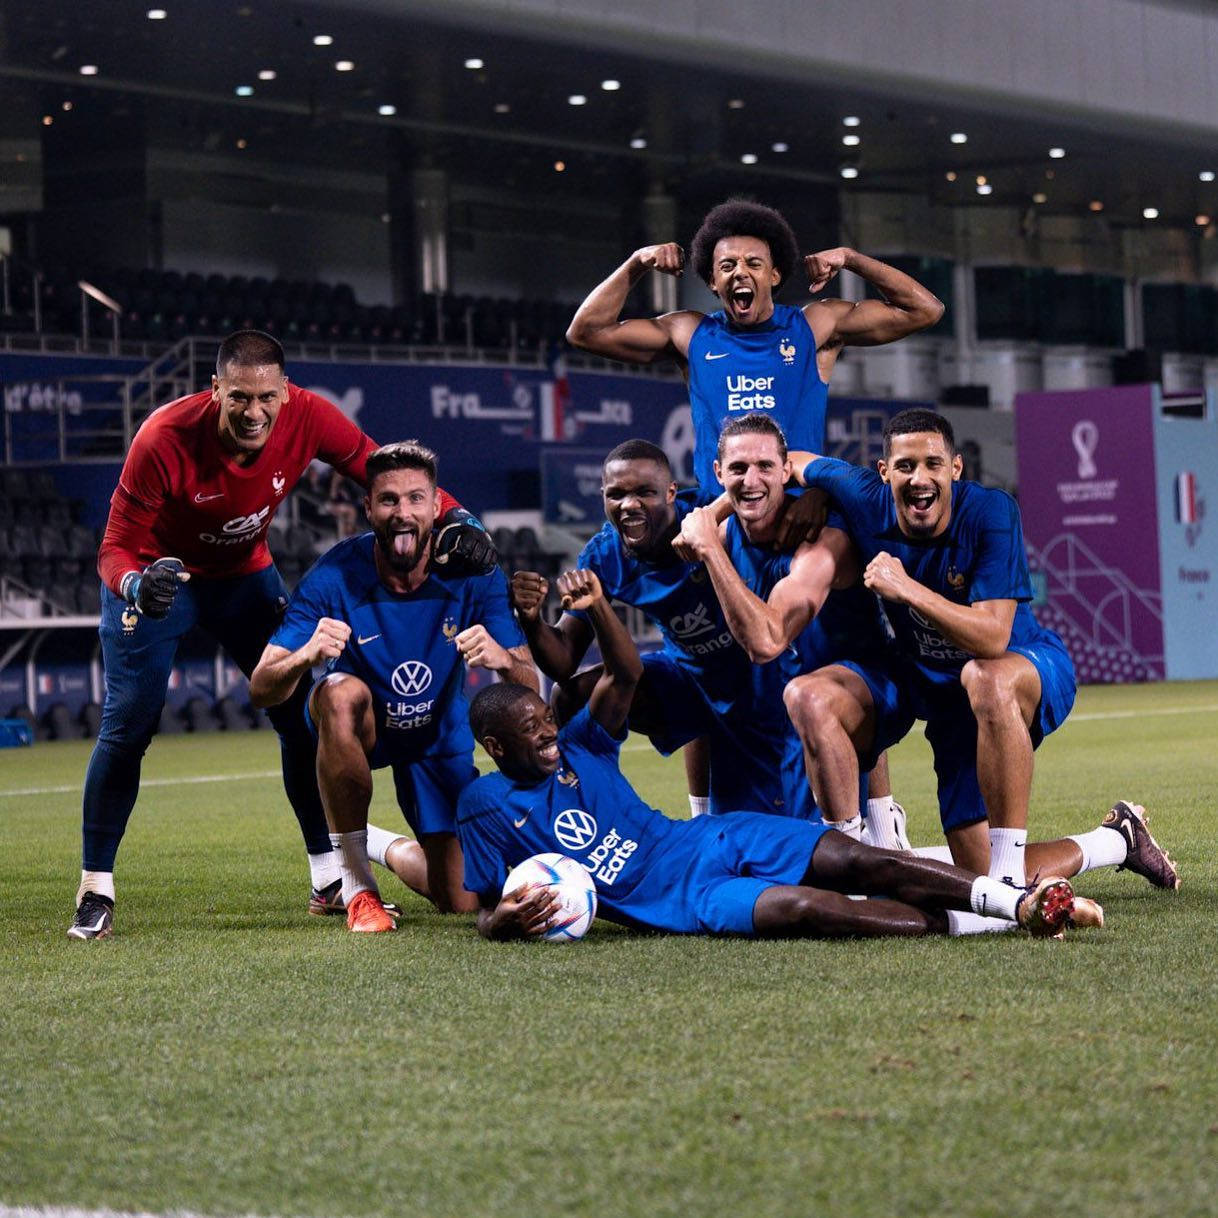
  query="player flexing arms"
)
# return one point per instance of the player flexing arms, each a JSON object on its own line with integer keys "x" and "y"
{"x": 700, "y": 683}
{"x": 751, "y": 874}
{"x": 393, "y": 631}
{"x": 195, "y": 498}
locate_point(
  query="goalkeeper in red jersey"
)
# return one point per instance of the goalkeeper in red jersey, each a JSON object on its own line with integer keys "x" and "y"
{"x": 185, "y": 546}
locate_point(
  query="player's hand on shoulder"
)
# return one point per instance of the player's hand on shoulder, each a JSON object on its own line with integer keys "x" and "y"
{"x": 821, "y": 267}
{"x": 886, "y": 576}
{"x": 803, "y": 517}
{"x": 152, "y": 590}
{"x": 526, "y": 913}
{"x": 464, "y": 548}
{"x": 527, "y": 591}
{"x": 579, "y": 589}
{"x": 329, "y": 639}
{"x": 668, "y": 259}
{"x": 479, "y": 650}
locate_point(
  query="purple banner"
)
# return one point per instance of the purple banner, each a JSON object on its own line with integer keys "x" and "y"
{"x": 1087, "y": 495}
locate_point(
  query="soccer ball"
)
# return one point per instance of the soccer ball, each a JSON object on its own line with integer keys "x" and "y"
{"x": 574, "y": 886}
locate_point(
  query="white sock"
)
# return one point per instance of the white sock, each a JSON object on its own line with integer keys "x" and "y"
{"x": 940, "y": 854}
{"x": 885, "y": 824}
{"x": 992, "y": 898}
{"x": 1102, "y": 847}
{"x": 699, "y": 805}
{"x": 1006, "y": 855}
{"x": 379, "y": 841}
{"x": 102, "y": 883}
{"x": 356, "y": 870}
{"x": 324, "y": 869}
{"x": 961, "y": 923}
{"x": 851, "y": 828}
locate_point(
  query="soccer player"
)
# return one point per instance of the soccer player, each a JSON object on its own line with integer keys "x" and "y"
{"x": 700, "y": 683}
{"x": 185, "y": 546}
{"x": 393, "y": 631}
{"x": 947, "y": 559}
{"x": 750, "y": 874}
{"x": 753, "y": 354}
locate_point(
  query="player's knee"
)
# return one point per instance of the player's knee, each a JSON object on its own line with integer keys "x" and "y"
{"x": 811, "y": 704}
{"x": 340, "y": 703}
{"x": 990, "y": 686}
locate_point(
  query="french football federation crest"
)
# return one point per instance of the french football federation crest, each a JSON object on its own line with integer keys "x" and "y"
{"x": 786, "y": 349}
{"x": 568, "y": 778}
{"x": 450, "y": 629}
{"x": 278, "y": 481}
{"x": 130, "y": 619}
{"x": 955, "y": 579}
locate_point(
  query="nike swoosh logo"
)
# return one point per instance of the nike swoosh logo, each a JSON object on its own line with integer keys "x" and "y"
{"x": 101, "y": 921}
{"x": 202, "y": 498}
{"x": 362, "y": 639}
{"x": 521, "y": 822}
{"x": 721, "y": 355}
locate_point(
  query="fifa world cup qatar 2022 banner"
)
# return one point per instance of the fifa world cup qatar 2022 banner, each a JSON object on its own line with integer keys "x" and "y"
{"x": 1112, "y": 488}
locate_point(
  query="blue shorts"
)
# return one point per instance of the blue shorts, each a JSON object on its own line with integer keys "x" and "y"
{"x": 427, "y": 787}
{"x": 951, "y": 728}
{"x": 709, "y": 881}
{"x": 754, "y": 766}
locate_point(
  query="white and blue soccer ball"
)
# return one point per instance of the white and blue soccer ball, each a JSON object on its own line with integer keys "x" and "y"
{"x": 574, "y": 886}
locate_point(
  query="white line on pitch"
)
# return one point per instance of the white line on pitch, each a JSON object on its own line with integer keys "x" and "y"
{"x": 634, "y": 746}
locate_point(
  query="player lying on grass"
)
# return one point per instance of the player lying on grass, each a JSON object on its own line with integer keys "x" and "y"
{"x": 562, "y": 790}
{"x": 968, "y": 656}
{"x": 393, "y": 632}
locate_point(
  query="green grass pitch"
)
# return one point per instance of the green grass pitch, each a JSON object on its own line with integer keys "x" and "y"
{"x": 227, "y": 1054}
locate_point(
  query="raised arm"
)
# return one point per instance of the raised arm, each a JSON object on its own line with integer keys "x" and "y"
{"x": 766, "y": 628}
{"x": 622, "y": 669}
{"x": 557, "y": 650}
{"x": 276, "y": 674}
{"x": 906, "y": 307}
{"x": 597, "y": 324}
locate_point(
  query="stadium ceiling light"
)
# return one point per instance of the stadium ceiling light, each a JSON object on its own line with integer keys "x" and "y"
{"x": 1040, "y": 197}
{"x": 736, "y": 103}
{"x": 1150, "y": 213}
{"x": 157, "y": 14}
{"x": 985, "y": 189}
{"x": 611, "y": 86}
{"x": 778, "y": 147}
{"x": 345, "y": 65}
{"x": 852, "y": 141}
{"x": 851, "y": 120}
{"x": 1057, "y": 153}
{"x": 323, "y": 40}
{"x": 474, "y": 64}
{"x": 266, "y": 74}
{"x": 1206, "y": 175}
{"x": 638, "y": 142}
{"x": 958, "y": 137}
{"x": 244, "y": 90}
{"x": 849, "y": 171}
{"x": 88, "y": 69}
{"x": 749, "y": 158}
{"x": 502, "y": 108}
{"x": 577, "y": 99}
{"x": 386, "y": 111}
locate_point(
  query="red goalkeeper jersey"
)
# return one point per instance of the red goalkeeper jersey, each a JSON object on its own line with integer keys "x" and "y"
{"x": 181, "y": 493}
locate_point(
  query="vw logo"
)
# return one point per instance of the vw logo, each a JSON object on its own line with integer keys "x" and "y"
{"x": 410, "y": 678}
{"x": 574, "y": 828}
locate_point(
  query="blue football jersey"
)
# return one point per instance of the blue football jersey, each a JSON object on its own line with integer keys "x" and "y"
{"x": 401, "y": 645}
{"x": 979, "y": 557}
{"x": 588, "y": 811}
{"x": 770, "y": 367}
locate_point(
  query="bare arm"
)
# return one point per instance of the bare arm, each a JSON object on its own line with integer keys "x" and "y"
{"x": 279, "y": 670}
{"x": 558, "y": 649}
{"x": 906, "y": 307}
{"x": 597, "y": 327}
{"x": 983, "y": 629}
{"x": 765, "y": 629}
{"x": 610, "y": 701}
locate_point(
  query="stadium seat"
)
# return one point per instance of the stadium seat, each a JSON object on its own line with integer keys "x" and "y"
{"x": 60, "y": 723}
{"x": 231, "y": 717}
{"x": 90, "y": 720}
{"x": 88, "y": 597}
{"x": 198, "y": 717}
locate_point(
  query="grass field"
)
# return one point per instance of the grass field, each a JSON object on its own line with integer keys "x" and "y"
{"x": 227, "y": 1054}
